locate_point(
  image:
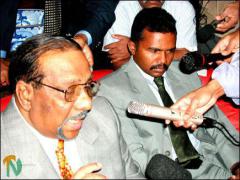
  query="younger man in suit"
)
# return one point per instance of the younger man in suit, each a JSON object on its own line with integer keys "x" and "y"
{"x": 152, "y": 45}
{"x": 53, "y": 99}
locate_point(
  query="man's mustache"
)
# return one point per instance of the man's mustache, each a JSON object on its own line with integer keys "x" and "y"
{"x": 158, "y": 66}
{"x": 81, "y": 115}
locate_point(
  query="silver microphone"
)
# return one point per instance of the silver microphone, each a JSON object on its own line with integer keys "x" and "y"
{"x": 160, "y": 112}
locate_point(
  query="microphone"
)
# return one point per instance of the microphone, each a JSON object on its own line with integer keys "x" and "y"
{"x": 206, "y": 32}
{"x": 162, "y": 167}
{"x": 194, "y": 61}
{"x": 160, "y": 112}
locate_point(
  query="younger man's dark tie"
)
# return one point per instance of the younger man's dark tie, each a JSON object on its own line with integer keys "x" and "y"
{"x": 180, "y": 140}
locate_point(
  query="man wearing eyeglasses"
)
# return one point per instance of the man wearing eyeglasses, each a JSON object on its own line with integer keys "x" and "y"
{"x": 53, "y": 96}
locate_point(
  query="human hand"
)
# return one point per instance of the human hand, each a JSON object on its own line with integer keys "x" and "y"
{"x": 230, "y": 16}
{"x": 236, "y": 175}
{"x": 228, "y": 44}
{"x": 196, "y": 102}
{"x": 4, "y": 72}
{"x": 89, "y": 171}
{"x": 235, "y": 169}
{"x": 118, "y": 51}
{"x": 81, "y": 39}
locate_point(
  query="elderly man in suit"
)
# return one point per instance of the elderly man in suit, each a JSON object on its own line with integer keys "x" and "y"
{"x": 152, "y": 45}
{"x": 53, "y": 91}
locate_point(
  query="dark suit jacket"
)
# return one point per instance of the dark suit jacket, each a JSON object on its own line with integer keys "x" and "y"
{"x": 94, "y": 16}
{"x": 8, "y": 12}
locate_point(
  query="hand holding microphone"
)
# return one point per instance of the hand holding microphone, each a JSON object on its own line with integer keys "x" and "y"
{"x": 206, "y": 32}
{"x": 228, "y": 44}
{"x": 231, "y": 16}
{"x": 194, "y": 61}
{"x": 160, "y": 112}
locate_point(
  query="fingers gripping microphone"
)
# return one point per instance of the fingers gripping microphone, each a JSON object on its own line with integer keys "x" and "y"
{"x": 162, "y": 167}
{"x": 205, "y": 33}
{"x": 194, "y": 61}
{"x": 159, "y": 112}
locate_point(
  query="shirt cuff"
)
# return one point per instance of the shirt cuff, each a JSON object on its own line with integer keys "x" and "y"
{"x": 87, "y": 34}
{"x": 3, "y": 54}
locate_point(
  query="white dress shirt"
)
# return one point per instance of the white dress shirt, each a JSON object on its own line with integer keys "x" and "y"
{"x": 182, "y": 11}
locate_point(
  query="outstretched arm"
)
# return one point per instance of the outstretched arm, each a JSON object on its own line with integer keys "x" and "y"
{"x": 197, "y": 102}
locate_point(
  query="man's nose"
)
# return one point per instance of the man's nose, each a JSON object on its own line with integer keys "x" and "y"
{"x": 83, "y": 102}
{"x": 161, "y": 58}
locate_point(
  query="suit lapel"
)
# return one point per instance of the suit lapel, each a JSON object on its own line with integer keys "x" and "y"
{"x": 26, "y": 146}
{"x": 88, "y": 135}
{"x": 142, "y": 92}
{"x": 180, "y": 83}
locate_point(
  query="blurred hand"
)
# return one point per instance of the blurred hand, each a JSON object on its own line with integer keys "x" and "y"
{"x": 197, "y": 102}
{"x": 236, "y": 174}
{"x": 118, "y": 51}
{"x": 230, "y": 16}
{"x": 4, "y": 72}
{"x": 81, "y": 39}
{"x": 228, "y": 44}
{"x": 89, "y": 171}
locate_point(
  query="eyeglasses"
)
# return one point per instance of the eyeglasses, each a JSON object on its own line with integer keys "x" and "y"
{"x": 73, "y": 91}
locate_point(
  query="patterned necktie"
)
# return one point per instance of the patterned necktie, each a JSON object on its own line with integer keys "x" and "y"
{"x": 64, "y": 167}
{"x": 52, "y": 17}
{"x": 180, "y": 140}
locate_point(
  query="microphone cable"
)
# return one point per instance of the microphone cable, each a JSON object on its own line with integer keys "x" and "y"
{"x": 211, "y": 123}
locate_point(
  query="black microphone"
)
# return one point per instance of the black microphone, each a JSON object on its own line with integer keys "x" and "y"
{"x": 206, "y": 32}
{"x": 162, "y": 167}
{"x": 194, "y": 61}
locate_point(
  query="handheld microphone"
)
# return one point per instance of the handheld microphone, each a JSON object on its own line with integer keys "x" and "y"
{"x": 160, "y": 112}
{"x": 206, "y": 32}
{"x": 194, "y": 61}
{"x": 162, "y": 167}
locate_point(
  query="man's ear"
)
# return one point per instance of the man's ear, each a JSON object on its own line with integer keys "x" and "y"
{"x": 131, "y": 47}
{"x": 24, "y": 94}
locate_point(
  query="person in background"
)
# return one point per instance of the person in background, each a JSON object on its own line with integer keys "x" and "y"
{"x": 117, "y": 37}
{"x": 152, "y": 77}
{"x": 99, "y": 16}
{"x": 54, "y": 124}
{"x": 225, "y": 80}
{"x": 8, "y": 12}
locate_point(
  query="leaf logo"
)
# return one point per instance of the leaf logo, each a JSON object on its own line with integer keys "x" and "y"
{"x": 9, "y": 161}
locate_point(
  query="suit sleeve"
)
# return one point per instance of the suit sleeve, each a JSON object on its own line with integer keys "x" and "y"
{"x": 99, "y": 17}
{"x": 132, "y": 168}
{"x": 8, "y": 13}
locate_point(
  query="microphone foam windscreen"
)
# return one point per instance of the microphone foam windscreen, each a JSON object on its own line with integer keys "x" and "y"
{"x": 191, "y": 62}
{"x": 162, "y": 167}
